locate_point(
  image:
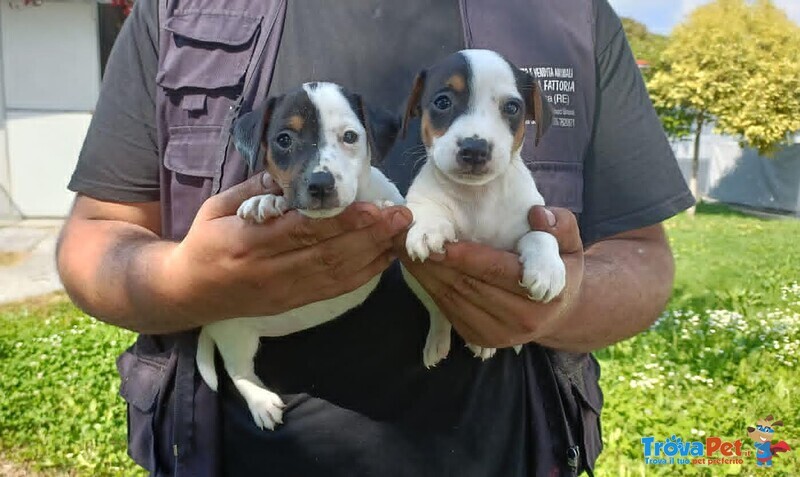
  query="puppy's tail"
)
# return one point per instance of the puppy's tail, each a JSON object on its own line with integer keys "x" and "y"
{"x": 205, "y": 359}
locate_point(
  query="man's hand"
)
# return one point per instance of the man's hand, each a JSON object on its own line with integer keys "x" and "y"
{"x": 477, "y": 287}
{"x": 226, "y": 267}
{"x": 116, "y": 267}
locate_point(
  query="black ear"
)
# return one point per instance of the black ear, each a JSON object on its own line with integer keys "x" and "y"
{"x": 248, "y": 132}
{"x": 381, "y": 126}
{"x": 413, "y": 107}
{"x": 537, "y": 108}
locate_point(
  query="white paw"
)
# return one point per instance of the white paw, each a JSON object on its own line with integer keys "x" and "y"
{"x": 543, "y": 275}
{"x": 384, "y": 204}
{"x": 424, "y": 239}
{"x": 437, "y": 346}
{"x": 262, "y": 207}
{"x": 266, "y": 408}
{"x": 481, "y": 352}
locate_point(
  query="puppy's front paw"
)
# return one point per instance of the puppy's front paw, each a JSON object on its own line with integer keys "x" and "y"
{"x": 481, "y": 352}
{"x": 543, "y": 275}
{"x": 266, "y": 408}
{"x": 384, "y": 204}
{"x": 423, "y": 239}
{"x": 262, "y": 207}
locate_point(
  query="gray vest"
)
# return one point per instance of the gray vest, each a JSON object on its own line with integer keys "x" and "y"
{"x": 215, "y": 60}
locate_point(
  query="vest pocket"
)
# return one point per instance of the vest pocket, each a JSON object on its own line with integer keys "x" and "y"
{"x": 191, "y": 160}
{"x": 142, "y": 387}
{"x": 560, "y": 183}
{"x": 208, "y": 49}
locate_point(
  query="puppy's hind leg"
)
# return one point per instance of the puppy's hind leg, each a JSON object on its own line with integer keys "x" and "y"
{"x": 437, "y": 343}
{"x": 238, "y": 351}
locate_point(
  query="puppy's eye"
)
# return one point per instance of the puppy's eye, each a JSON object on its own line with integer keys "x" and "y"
{"x": 442, "y": 102}
{"x": 284, "y": 141}
{"x": 350, "y": 137}
{"x": 511, "y": 108}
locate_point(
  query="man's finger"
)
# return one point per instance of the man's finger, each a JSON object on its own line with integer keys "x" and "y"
{"x": 496, "y": 267}
{"x": 294, "y": 231}
{"x": 559, "y": 222}
{"x": 227, "y": 202}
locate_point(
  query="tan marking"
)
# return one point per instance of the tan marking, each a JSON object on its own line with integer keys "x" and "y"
{"x": 429, "y": 133}
{"x": 457, "y": 83}
{"x": 282, "y": 177}
{"x": 296, "y": 123}
{"x": 519, "y": 136}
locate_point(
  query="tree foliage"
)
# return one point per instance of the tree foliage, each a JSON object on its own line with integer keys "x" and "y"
{"x": 736, "y": 64}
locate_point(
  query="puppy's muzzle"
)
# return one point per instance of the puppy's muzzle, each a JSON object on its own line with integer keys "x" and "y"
{"x": 321, "y": 186}
{"x": 473, "y": 154}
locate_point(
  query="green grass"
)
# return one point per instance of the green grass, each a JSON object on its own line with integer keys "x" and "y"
{"x": 723, "y": 355}
{"x": 59, "y": 407}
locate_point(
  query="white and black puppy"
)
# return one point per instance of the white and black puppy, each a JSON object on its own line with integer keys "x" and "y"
{"x": 474, "y": 185}
{"x": 318, "y": 143}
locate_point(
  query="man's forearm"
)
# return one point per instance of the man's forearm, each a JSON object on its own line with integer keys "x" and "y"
{"x": 116, "y": 272}
{"x": 627, "y": 281}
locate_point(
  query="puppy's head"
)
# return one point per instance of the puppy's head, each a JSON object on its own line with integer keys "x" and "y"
{"x": 317, "y": 142}
{"x": 474, "y": 105}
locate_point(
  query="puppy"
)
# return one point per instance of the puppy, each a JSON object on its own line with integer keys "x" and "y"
{"x": 318, "y": 143}
{"x": 474, "y": 186}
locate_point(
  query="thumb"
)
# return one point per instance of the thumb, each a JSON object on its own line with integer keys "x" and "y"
{"x": 227, "y": 202}
{"x": 559, "y": 222}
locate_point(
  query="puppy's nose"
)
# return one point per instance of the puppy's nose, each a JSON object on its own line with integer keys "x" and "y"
{"x": 473, "y": 151}
{"x": 321, "y": 184}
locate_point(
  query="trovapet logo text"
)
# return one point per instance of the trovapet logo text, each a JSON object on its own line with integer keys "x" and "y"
{"x": 712, "y": 451}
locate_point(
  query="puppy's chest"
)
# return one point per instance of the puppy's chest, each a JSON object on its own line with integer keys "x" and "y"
{"x": 490, "y": 222}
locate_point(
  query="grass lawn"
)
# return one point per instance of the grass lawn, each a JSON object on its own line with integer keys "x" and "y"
{"x": 723, "y": 355}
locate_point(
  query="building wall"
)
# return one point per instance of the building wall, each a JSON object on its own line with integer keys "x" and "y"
{"x": 50, "y": 80}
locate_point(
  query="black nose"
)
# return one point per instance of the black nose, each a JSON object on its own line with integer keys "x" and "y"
{"x": 321, "y": 184}
{"x": 473, "y": 150}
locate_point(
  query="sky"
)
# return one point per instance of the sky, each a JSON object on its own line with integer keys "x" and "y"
{"x": 661, "y": 15}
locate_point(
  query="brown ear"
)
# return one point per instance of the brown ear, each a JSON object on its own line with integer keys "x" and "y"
{"x": 751, "y": 429}
{"x": 769, "y": 418}
{"x": 540, "y": 111}
{"x": 413, "y": 107}
{"x": 777, "y": 423}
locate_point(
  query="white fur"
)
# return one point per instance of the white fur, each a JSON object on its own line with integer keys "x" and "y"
{"x": 491, "y": 209}
{"x": 238, "y": 339}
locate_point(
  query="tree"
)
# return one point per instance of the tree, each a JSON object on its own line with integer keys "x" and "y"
{"x": 736, "y": 65}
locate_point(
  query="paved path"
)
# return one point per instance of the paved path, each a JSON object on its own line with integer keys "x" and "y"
{"x": 29, "y": 269}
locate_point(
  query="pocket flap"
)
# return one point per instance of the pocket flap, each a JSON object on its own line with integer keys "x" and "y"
{"x": 207, "y": 50}
{"x": 141, "y": 380}
{"x": 223, "y": 28}
{"x": 193, "y": 150}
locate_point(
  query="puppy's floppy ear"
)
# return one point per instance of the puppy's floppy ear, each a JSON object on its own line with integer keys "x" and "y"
{"x": 248, "y": 132}
{"x": 413, "y": 107}
{"x": 750, "y": 429}
{"x": 777, "y": 423}
{"x": 537, "y": 108}
{"x": 381, "y": 126}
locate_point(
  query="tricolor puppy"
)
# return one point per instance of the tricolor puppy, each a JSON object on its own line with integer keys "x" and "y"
{"x": 318, "y": 143}
{"x": 474, "y": 185}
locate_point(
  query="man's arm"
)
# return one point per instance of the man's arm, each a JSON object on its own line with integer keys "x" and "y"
{"x": 614, "y": 290}
{"x": 115, "y": 266}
